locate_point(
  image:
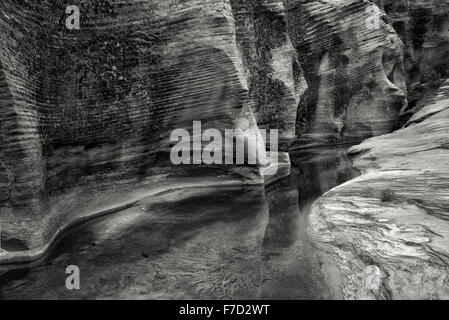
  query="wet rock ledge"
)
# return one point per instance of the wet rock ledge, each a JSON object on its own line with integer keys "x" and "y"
{"x": 385, "y": 235}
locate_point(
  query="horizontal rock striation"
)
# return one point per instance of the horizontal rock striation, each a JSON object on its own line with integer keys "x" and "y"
{"x": 275, "y": 77}
{"x": 385, "y": 235}
{"x": 423, "y": 27}
{"x": 86, "y": 115}
{"x": 353, "y": 63}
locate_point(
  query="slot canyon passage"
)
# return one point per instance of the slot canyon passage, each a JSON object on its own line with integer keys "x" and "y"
{"x": 358, "y": 91}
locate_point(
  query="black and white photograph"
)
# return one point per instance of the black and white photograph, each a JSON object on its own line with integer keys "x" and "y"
{"x": 247, "y": 151}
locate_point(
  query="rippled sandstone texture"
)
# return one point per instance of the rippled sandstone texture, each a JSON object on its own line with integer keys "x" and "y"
{"x": 353, "y": 63}
{"x": 368, "y": 68}
{"x": 385, "y": 235}
{"x": 85, "y": 115}
{"x": 423, "y": 27}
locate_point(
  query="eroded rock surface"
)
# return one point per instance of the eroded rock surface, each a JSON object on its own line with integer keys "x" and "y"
{"x": 86, "y": 115}
{"x": 385, "y": 235}
{"x": 366, "y": 63}
{"x": 423, "y": 27}
{"x": 353, "y": 63}
{"x": 275, "y": 78}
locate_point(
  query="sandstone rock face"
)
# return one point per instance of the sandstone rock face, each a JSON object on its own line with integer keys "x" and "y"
{"x": 275, "y": 77}
{"x": 86, "y": 115}
{"x": 352, "y": 61}
{"x": 423, "y": 27}
{"x": 385, "y": 235}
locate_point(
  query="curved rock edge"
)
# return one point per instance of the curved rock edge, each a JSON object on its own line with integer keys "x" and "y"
{"x": 384, "y": 235}
{"x": 265, "y": 178}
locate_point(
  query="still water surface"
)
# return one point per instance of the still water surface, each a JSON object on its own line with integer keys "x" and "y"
{"x": 199, "y": 243}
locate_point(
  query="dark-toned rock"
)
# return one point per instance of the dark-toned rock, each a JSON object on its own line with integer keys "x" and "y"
{"x": 423, "y": 27}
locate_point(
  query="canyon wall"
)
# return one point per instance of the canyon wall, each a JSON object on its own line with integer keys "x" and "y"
{"x": 385, "y": 234}
{"x": 275, "y": 78}
{"x": 86, "y": 115}
{"x": 423, "y": 27}
{"x": 369, "y": 65}
{"x": 353, "y": 63}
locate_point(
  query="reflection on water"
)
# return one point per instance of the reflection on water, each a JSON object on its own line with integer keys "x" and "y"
{"x": 202, "y": 243}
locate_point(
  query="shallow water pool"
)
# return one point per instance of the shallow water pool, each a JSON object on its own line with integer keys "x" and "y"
{"x": 199, "y": 243}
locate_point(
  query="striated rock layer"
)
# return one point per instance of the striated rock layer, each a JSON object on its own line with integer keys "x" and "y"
{"x": 86, "y": 115}
{"x": 361, "y": 59}
{"x": 423, "y": 27}
{"x": 275, "y": 77}
{"x": 353, "y": 63}
{"x": 385, "y": 235}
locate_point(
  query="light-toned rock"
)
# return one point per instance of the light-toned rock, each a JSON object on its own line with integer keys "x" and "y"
{"x": 385, "y": 234}
{"x": 352, "y": 61}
